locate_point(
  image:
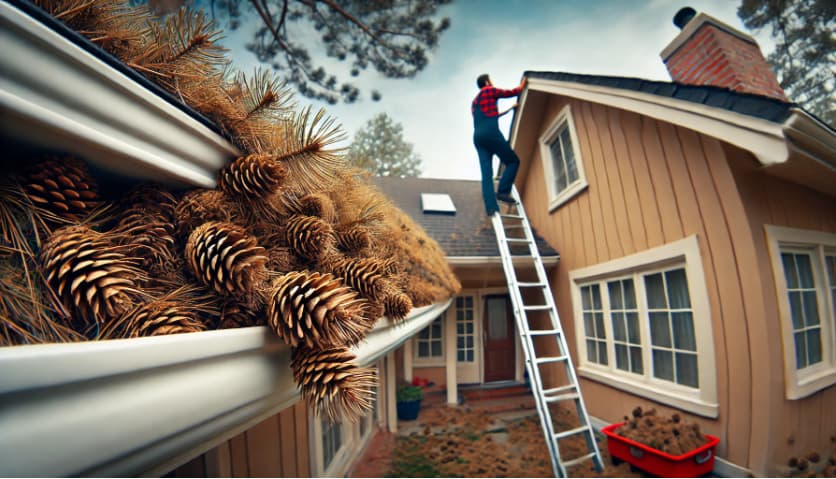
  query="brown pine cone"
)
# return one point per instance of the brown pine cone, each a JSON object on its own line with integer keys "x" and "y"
{"x": 62, "y": 187}
{"x": 252, "y": 177}
{"x": 237, "y": 315}
{"x": 363, "y": 274}
{"x": 309, "y": 236}
{"x": 91, "y": 275}
{"x": 332, "y": 384}
{"x": 161, "y": 317}
{"x": 316, "y": 310}
{"x": 225, "y": 257}
{"x": 397, "y": 306}
{"x": 200, "y": 206}
{"x": 320, "y": 205}
{"x": 353, "y": 239}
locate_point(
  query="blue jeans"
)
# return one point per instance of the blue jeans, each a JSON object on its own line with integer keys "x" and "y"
{"x": 489, "y": 141}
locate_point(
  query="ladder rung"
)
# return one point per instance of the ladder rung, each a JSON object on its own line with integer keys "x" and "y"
{"x": 516, "y": 227}
{"x": 562, "y": 397}
{"x": 552, "y": 359}
{"x": 538, "y": 307}
{"x": 560, "y": 389}
{"x": 517, "y": 240}
{"x": 544, "y": 332}
{"x": 531, "y": 285}
{"x": 578, "y": 460}
{"x": 515, "y": 217}
{"x": 571, "y": 432}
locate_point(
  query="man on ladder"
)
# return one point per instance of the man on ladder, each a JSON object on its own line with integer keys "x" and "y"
{"x": 489, "y": 141}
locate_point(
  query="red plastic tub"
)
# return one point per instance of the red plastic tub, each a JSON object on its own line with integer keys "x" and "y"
{"x": 694, "y": 463}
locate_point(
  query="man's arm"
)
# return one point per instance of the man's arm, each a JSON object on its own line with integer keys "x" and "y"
{"x": 506, "y": 93}
{"x": 508, "y": 109}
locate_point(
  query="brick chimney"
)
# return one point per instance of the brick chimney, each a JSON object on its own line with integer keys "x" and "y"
{"x": 709, "y": 52}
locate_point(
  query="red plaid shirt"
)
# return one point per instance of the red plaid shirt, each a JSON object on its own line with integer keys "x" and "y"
{"x": 486, "y": 99}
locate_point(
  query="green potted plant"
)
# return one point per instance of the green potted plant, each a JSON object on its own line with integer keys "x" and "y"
{"x": 409, "y": 401}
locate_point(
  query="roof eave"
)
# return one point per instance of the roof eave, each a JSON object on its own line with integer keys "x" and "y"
{"x": 495, "y": 260}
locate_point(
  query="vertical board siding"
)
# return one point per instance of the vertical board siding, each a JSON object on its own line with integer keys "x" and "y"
{"x": 800, "y": 426}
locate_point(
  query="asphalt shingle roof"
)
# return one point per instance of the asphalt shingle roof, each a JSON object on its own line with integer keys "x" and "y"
{"x": 744, "y": 103}
{"x": 460, "y": 234}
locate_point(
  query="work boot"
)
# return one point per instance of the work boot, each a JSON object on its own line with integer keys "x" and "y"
{"x": 506, "y": 198}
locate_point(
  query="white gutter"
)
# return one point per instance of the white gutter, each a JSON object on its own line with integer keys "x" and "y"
{"x": 144, "y": 406}
{"x": 55, "y": 95}
{"x": 483, "y": 260}
{"x": 765, "y": 139}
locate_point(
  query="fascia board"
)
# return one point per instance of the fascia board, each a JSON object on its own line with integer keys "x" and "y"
{"x": 56, "y": 95}
{"x": 811, "y": 137}
{"x": 763, "y": 138}
{"x": 144, "y": 406}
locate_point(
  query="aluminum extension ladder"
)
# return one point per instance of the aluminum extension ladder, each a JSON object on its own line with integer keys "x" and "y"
{"x": 563, "y": 393}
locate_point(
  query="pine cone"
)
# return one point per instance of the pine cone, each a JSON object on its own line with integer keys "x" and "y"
{"x": 397, "y": 306}
{"x": 309, "y": 236}
{"x": 90, "y": 274}
{"x": 365, "y": 275}
{"x": 252, "y": 177}
{"x": 62, "y": 187}
{"x": 319, "y": 205}
{"x": 332, "y": 383}
{"x": 236, "y": 315}
{"x": 224, "y": 257}
{"x": 200, "y": 206}
{"x": 281, "y": 259}
{"x": 353, "y": 239}
{"x": 317, "y": 310}
{"x": 159, "y": 318}
{"x": 148, "y": 234}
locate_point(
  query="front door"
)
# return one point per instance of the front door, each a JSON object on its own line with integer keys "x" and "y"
{"x": 500, "y": 354}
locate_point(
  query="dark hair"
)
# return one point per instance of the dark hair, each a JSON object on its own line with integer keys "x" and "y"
{"x": 482, "y": 80}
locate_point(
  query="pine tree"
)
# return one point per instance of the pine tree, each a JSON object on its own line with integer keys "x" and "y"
{"x": 805, "y": 49}
{"x": 379, "y": 147}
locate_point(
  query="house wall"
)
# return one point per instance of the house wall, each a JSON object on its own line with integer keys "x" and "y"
{"x": 652, "y": 183}
{"x": 803, "y": 425}
{"x": 275, "y": 447}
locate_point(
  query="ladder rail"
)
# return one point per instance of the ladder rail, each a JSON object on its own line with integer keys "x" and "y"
{"x": 525, "y": 332}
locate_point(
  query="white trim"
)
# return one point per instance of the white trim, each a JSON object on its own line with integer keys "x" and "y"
{"x": 702, "y": 401}
{"x": 115, "y": 123}
{"x": 763, "y": 138}
{"x": 451, "y": 356}
{"x": 800, "y": 384}
{"x": 564, "y": 117}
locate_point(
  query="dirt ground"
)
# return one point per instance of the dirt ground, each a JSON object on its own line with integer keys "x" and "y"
{"x": 475, "y": 440}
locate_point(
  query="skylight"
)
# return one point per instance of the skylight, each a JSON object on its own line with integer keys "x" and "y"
{"x": 437, "y": 203}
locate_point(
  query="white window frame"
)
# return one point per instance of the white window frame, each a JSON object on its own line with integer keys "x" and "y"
{"x": 806, "y": 381}
{"x": 464, "y": 322}
{"x": 682, "y": 253}
{"x": 558, "y": 198}
{"x": 431, "y": 361}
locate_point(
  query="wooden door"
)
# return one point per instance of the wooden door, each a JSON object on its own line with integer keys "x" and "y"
{"x": 500, "y": 354}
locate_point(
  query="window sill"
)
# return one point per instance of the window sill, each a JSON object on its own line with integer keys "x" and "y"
{"x": 665, "y": 394}
{"x": 567, "y": 194}
{"x": 800, "y": 386}
{"x": 428, "y": 363}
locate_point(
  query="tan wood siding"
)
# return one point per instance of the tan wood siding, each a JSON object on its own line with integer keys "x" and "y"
{"x": 275, "y": 447}
{"x": 800, "y": 426}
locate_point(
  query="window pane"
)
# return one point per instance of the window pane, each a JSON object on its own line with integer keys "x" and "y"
{"x": 586, "y": 297}
{"x": 469, "y": 328}
{"x": 629, "y": 294}
{"x": 425, "y": 333}
{"x": 660, "y": 334}
{"x": 596, "y": 296}
{"x": 588, "y": 325}
{"x": 811, "y": 308}
{"x": 619, "y": 331}
{"x": 423, "y": 349}
{"x": 655, "y": 291}
{"x": 436, "y": 348}
{"x": 615, "y": 294}
{"x": 621, "y": 361}
{"x": 636, "y": 360}
{"x": 686, "y": 369}
{"x": 814, "y": 346}
{"x": 790, "y": 274}
{"x": 633, "y": 328}
{"x": 469, "y": 301}
{"x": 468, "y": 315}
{"x": 800, "y": 350}
{"x": 599, "y": 325}
{"x": 558, "y": 165}
{"x": 602, "y": 353}
{"x": 497, "y": 319}
{"x": 678, "y": 289}
{"x": 663, "y": 364}
{"x": 460, "y": 356}
{"x": 470, "y": 341}
{"x": 805, "y": 271}
{"x": 591, "y": 351}
{"x": 831, "y": 269}
{"x": 436, "y": 329}
{"x": 569, "y": 153}
{"x": 683, "y": 331}
{"x": 470, "y": 356}
{"x": 459, "y": 302}
{"x": 796, "y": 311}
{"x": 460, "y": 342}
{"x": 460, "y": 328}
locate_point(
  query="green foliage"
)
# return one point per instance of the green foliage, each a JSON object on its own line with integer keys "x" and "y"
{"x": 407, "y": 393}
{"x": 393, "y": 36}
{"x": 805, "y": 48}
{"x": 379, "y": 147}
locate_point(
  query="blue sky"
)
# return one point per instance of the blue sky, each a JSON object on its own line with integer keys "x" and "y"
{"x": 505, "y": 38}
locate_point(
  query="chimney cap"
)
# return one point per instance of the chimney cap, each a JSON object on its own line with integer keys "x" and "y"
{"x": 683, "y": 16}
